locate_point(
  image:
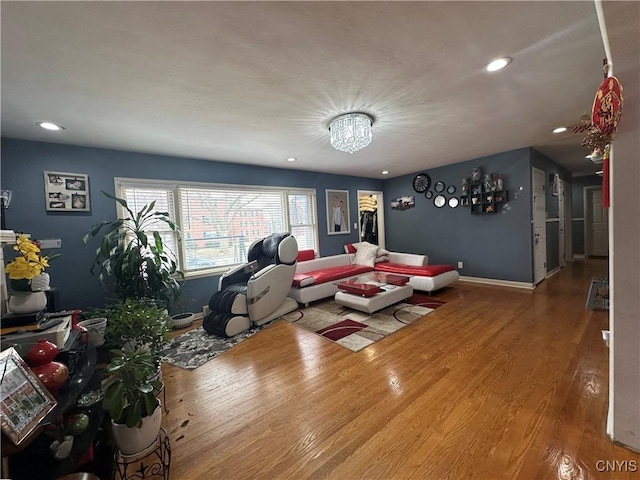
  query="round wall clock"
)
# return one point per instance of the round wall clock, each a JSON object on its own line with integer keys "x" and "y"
{"x": 421, "y": 182}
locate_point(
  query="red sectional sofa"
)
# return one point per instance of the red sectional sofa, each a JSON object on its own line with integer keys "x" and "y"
{"x": 316, "y": 278}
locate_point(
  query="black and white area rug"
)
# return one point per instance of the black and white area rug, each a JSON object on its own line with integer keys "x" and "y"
{"x": 196, "y": 347}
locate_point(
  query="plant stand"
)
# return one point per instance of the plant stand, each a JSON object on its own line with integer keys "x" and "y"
{"x": 153, "y": 462}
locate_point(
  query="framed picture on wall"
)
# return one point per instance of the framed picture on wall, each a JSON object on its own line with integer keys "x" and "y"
{"x": 555, "y": 184}
{"x": 25, "y": 401}
{"x": 66, "y": 192}
{"x": 338, "y": 220}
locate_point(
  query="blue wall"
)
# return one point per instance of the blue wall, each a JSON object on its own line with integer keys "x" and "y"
{"x": 496, "y": 246}
{"x": 23, "y": 163}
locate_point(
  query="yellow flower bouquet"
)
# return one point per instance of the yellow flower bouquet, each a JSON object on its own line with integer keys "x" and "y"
{"x": 28, "y": 264}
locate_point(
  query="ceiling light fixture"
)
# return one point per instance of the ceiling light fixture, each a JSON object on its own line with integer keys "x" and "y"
{"x": 50, "y": 126}
{"x": 385, "y": 172}
{"x": 560, "y": 130}
{"x": 351, "y": 132}
{"x": 497, "y": 64}
{"x": 291, "y": 159}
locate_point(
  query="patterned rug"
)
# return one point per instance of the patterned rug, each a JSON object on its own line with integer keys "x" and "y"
{"x": 196, "y": 347}
{"x": 356, "y": 330}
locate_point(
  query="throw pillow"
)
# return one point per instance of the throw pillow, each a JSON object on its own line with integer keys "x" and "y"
{"x": 366, "y": 255}
{"x": 382, "y": 252}
{"x": 383, "y": 258}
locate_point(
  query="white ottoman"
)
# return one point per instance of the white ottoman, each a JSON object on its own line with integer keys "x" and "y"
{"x": 392, "y": 294}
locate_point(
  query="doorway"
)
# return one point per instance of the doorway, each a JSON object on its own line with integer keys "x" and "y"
{"x": 596, "y": 224}
{"x": 371, "y": 217}
{"x": 539, "y": 226}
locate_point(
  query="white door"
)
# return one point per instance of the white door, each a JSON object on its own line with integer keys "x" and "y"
{"x": 562, "y": 222}
{"x": 539, "y": 227}
{"x": 371, "y": 224}
{"x": 597, "y": 224}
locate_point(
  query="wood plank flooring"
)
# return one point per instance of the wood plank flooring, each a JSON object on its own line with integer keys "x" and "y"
{"x": 499, "y": 383}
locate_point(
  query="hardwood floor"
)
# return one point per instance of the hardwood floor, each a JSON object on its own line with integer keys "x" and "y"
{"x": 499, "y": 383}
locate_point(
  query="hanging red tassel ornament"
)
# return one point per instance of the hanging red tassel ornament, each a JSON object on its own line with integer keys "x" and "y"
{"x": 605, "y": 178}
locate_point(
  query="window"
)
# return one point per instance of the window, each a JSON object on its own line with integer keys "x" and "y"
{"x": 209, "y": 217}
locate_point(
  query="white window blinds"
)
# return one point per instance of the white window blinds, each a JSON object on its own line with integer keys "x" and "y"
{"x": 218, "y": 223}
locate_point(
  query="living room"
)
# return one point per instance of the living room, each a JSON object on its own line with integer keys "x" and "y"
{"x": 496, "y": 248}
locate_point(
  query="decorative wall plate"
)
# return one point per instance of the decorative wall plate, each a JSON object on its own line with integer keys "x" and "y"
{"x": 429, "y": 194}
{"x": 421, "y": 182}
{"x": 439, "y": 201}
{"x": 451, "y": 189}
{"x": 439, "y": 187}
{"x": 453, "y": 202}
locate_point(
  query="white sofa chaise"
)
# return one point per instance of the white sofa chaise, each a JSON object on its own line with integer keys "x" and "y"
{"x": 317, "y": 278}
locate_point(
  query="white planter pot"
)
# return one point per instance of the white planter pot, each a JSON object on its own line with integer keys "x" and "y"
{"x": 95, "y": 328}
{"x": 40, "y": 283}
{"x": 182, "y": 320}
{"x": 27, "y": 302}
{"x": 134, "y": 440}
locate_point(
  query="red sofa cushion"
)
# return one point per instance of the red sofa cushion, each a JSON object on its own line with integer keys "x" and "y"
{"x": 308, "y": 254}
{"x": 350, "y": 248}
{"x": 330, "y": 274}
{"x": 302, "y": 280}
{"x": 415, "y": 270}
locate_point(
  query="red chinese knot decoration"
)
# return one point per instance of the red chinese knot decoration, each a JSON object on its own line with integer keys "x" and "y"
{"x": 607, "y": 107}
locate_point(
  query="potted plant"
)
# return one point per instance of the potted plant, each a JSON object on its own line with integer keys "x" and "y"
{"x": 135, "y": 324}
{"x": 134, "y": 255}
{"x": 27, "y": 277}
{"x": 129, "y": 397}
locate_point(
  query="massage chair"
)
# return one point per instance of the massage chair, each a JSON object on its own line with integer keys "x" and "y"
{"x": 255, "y": 292}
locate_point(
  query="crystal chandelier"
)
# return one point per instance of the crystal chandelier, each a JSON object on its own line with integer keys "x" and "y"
{"x": 351, "y": 132}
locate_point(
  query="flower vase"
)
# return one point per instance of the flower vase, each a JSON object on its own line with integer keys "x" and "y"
{"x": 40, "y": 283}
{"x": 22, "y": 303}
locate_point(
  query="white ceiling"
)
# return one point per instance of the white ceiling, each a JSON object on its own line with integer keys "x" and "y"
{"x": 257, "y": 82}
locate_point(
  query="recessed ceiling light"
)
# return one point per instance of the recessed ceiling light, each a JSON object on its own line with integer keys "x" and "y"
{"x": 497, "y": 64}
{"x": 385, "y": 172}
{"x": 560, "y": 130}
{"x": 599, "y": 172}
{"x": 49, "y": 126}
{"x": 291, "y": 159}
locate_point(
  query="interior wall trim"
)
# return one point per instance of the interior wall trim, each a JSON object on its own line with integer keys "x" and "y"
{"x": 495, "y": 281}
{"x": 553, "y": 272}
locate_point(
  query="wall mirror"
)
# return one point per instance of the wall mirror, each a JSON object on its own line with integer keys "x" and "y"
{"x": 439, "y": 187}
{"x": 451, "y": 189}
{"x": 453, "y": 202}
{"x": 439, "y": 201}
{"x": 429, "y": 194}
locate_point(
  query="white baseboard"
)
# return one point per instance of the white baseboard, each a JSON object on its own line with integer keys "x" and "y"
{"x": 494, "y": 281}
{"x": 553, "y": 272}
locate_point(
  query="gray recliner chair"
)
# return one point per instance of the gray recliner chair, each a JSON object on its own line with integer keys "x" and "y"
{"x": 255, "y": 292}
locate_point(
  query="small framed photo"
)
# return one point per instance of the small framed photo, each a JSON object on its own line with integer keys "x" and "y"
{"x": 66, "y": 192}
{"x": 338, "y": 220}
{"x": 555, "y": 184}
{"x": 25, "y": 401}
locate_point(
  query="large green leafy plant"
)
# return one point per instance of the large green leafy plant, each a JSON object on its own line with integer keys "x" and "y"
{"x": 134, "y": 255}
{"x": 129, "y": 392}
{"x": 135, "y": 324}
